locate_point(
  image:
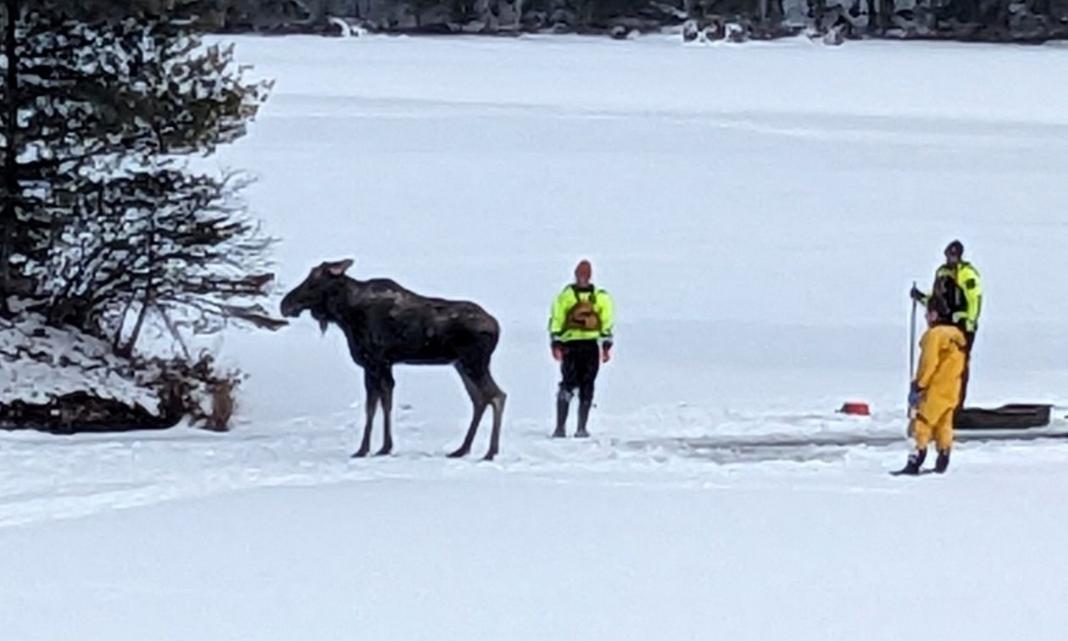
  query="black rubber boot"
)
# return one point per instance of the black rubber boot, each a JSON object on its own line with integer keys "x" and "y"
{"x": 583, "y": 417}
{"x": 915, "y": 462}
{"x": 563, "y": 402}
{"x": 942, "y": 462}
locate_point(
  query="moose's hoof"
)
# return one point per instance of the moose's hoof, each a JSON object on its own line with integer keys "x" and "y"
{"x": 489, "y": 456}
{"x": 458, "y": 453}
{"x": 360, "y": 453}
{"x": 385, "y": 451}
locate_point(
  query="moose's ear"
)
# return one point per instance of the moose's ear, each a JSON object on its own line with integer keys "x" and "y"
{"x": 338, "y": 268}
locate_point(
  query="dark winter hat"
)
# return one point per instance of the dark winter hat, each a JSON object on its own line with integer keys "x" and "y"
{"x": 956, "y": 248}
{"x": 938, "y": 306}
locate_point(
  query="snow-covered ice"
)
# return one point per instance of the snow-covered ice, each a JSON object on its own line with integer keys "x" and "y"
{"x": 757, "y": 211}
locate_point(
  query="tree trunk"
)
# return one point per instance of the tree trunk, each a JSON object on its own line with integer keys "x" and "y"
{"x": 175, "y": 334}
{"x": 8, "y": 215}
{"x": 150, "y": 298}
{"x": 1001, "y": 19}
{"x": 777, "y": 12}
{"x": 886, "y": 15}
{"x": 116, "y": 344}
{"x": 817, "y": 8}
{"x": 126, "y": 351}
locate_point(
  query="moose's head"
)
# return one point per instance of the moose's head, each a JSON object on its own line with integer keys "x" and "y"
{"x": 314, "y": 293}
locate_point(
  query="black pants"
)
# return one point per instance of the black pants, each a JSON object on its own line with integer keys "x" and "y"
{"x": 582, "y": 360}
{"x": 969, "y": 338}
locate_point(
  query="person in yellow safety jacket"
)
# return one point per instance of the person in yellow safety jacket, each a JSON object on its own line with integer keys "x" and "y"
{"x": 935, "y": 391}
{"x": 580, "y": 331}
{"x": 957, "y": 283}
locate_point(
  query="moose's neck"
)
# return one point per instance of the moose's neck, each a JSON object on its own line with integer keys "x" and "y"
{"x": 343, "y": 299}
{"x": 345, "y": 309}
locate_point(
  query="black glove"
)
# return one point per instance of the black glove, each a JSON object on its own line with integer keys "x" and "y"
{"x": 917, "y": 295}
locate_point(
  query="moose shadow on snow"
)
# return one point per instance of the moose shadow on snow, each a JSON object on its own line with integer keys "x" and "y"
{"x": 386, "y": 324}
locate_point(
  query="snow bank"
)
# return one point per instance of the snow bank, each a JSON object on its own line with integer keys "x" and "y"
{"x": 41, "y": 363}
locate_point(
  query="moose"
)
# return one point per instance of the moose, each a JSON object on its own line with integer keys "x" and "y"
{"x": 386, "y": 324}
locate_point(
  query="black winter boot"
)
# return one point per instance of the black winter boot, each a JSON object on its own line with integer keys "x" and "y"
{"x": 583, "y": 417}
{"x": 942, "y": 462}
{"x": 563, "y": 402}
{"x": 915, "y": 462}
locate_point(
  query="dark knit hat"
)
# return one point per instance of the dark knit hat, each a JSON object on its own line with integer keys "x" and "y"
{"x": 938, "y": 305}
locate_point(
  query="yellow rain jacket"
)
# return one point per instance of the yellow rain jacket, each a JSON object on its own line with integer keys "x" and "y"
{"x": 938, "y": 378}
{"x": 581, "y": 314}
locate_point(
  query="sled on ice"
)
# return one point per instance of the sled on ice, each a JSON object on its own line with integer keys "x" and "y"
{"x": 1017, "y": 416}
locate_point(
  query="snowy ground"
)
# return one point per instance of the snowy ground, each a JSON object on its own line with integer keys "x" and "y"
{"x": 759, "y": 213}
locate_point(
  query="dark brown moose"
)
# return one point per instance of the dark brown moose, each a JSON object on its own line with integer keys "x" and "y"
{"x": 386, "y": 324}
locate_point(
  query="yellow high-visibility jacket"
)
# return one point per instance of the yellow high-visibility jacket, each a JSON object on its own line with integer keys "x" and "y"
{"x": 561, "y": 330}
{"x": 966, "y": 301}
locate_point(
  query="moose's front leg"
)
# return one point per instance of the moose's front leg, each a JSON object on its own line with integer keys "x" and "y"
{"x": 371, "y": 388}
{"x": 386, "y": 398}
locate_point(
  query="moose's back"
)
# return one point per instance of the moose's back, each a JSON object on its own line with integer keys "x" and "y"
{"x": 405, "y": 327}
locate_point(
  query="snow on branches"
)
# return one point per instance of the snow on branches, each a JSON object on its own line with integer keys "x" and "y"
{"x": 164, "y": 245}
{"x": 104, "y": 228}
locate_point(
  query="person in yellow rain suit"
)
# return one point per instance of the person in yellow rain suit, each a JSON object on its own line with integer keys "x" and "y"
{"x": 935, "y": 391}
{"x": 580, "y": 332}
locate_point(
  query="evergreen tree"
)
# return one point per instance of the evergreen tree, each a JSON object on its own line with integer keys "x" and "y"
{"x": 100, "y": 105}
{"x": 105, "y": 230}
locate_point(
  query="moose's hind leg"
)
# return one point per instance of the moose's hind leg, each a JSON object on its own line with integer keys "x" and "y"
{"x": 478, "y": 405}
{"x": 496, "y": 397}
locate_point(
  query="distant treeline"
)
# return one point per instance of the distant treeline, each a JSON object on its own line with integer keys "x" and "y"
{"x": 970, "y": 20}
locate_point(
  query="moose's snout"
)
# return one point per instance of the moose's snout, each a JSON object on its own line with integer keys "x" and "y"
{"x": 289, "y": 307}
